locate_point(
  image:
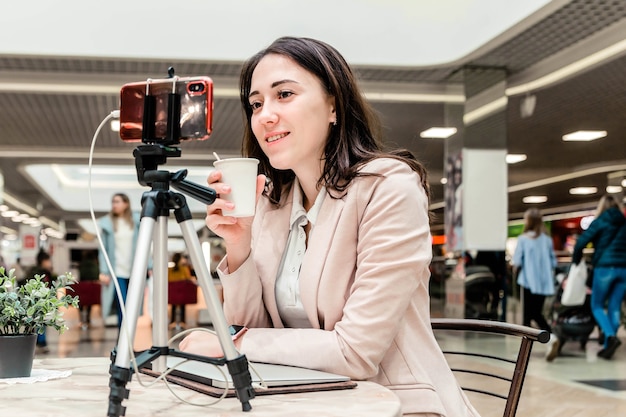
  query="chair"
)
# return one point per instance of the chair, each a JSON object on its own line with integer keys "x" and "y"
{"x": 182, "y": 292}
{"x": 88, "y": 293}
{"x": 485, "y": 369}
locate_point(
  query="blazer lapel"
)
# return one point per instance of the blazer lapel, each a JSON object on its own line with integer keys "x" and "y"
{"x": 316, "y": 255}
{"x": 268, "y": 248}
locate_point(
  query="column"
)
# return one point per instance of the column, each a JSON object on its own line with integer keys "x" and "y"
{"x": 476, "y": 210}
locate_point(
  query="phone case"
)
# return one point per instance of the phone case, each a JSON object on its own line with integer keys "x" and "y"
{"x": 196, "y": 108}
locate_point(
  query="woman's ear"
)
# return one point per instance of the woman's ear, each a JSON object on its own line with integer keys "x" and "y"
{"x": 333, "y": 112}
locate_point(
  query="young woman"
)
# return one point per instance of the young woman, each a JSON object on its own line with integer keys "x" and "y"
{"x": 608, "y": 234}
{"x": 535, "y": 260}
{"x": 119, "y": 230}
{"x": 332, "y": 271}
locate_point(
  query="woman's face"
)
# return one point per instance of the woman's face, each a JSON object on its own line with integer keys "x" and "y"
{"x": 118, "y": 205}
{"x": 291, "y": 114}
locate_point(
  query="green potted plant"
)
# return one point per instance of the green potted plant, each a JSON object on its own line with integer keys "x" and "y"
{"x": 25, "y": 311}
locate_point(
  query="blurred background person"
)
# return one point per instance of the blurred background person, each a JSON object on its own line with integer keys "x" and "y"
{"x": 88, "y": 271}
{"x": 607, "y": 233}
{"x": 42, "y": 267}
{"x": 119, "y": 230}
{"x": 534, "y": 261}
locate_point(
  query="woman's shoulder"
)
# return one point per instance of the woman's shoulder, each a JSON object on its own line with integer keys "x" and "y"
{"x": 389, "y": 177}
{"x": 105, "y": 222}
{"x": 385, "y": 164}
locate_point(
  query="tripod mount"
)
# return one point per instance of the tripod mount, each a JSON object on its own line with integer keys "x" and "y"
{"x": 156, "y": 206}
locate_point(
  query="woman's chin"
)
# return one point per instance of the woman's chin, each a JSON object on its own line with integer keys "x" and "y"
{"x": 280, "y": 164}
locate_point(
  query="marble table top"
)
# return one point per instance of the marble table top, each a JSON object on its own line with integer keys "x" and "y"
{"x": 85, "y": 393}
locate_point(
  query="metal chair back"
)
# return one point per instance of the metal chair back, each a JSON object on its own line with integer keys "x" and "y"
{"x": 484, "y": 381}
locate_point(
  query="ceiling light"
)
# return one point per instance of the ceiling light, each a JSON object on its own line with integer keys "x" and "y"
{"x": 624, "y": 183}
{"x": 19, "y": 218}
{"x": 527, "y": 106}
{"x": 514, "y": 158}
{"x": 534, "y": 199}
{"x": 10, "y": 213}
{"x": 583, "y": 190}
{"x": 584, "y": 135}
{"x": 31, "y": 220}
{"x": 4, "y": 207}
{"x": 444, "y": 180}
{"x": 438, "y": 132}
{"x": 613, "y": 189}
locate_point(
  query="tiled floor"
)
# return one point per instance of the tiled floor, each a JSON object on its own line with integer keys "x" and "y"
{"x": 575, "y": 384}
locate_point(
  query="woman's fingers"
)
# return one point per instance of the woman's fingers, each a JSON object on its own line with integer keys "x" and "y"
{"x": 260, "y": 185}
{"x": 201, "y": 343}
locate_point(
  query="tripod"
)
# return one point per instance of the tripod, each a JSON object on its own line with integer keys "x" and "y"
{"x": 156, "y": 206}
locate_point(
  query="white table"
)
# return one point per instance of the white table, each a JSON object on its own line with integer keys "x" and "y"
{"x": 85, "y": 393}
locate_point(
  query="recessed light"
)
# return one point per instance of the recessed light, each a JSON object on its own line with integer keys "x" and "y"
{"x": 10, "y": 213}
{"x": 584, "y": 135}
{"x": 613, "y": 189}
{"x": 438, "y": 132}
{"x": 624, "y": 183}
{"x": 583, "y": 190}
{"x": 514, "y": 158}
{"x": 444, "y": 180}
{"x": 535, "y": 199}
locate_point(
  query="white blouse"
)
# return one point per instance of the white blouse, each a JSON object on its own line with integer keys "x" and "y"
{"x": 287, "y": 282}
{"x": 123, "y": 248}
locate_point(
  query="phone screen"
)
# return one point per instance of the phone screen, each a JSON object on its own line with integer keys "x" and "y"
{"x": 196, "y": 108}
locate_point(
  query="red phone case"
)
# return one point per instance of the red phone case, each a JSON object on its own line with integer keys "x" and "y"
{"x": 196, "y": 110}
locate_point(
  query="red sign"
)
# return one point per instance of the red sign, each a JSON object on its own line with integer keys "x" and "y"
{"x": 29, "y": 242}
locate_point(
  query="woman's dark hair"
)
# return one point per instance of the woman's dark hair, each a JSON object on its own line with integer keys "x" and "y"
{"x": 352, "y": 142}
{"x": 42, "y": 256}
{"x": 176, "y": 260}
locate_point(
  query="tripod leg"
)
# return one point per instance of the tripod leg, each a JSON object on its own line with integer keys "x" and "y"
{"x": 159, "y": 276}
{"x": 237, "y": 363}
{"x": 135, "y": 292}
{"x": 120, "y": 371}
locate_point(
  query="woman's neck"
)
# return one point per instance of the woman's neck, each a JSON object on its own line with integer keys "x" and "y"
{"x": 309, "y": 183}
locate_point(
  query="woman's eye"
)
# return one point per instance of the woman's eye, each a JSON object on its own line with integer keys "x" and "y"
{"x": 255, "y": 105}
{"x": 284, "y": 94}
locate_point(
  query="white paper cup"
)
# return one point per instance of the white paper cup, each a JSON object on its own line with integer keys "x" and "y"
{"x": 240, "y": 174}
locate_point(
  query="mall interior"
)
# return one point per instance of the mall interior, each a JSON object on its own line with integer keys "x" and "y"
{"x": 516, "y": 104}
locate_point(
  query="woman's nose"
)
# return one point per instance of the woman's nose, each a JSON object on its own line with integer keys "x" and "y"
{"x": 268, "y": 114}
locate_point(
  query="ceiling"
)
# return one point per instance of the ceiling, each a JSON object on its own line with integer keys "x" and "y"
{"x": 52, "y": 105}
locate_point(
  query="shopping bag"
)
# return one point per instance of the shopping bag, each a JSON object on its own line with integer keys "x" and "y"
{"x": 575, "y": 289}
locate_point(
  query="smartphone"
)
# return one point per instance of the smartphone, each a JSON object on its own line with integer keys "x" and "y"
{"x": 196, "y": 109}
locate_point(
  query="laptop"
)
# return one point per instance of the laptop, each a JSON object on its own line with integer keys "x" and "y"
{"x": 273, "y": 375}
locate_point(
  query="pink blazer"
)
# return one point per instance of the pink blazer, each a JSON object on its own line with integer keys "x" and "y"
{"x": 364, "y": 286}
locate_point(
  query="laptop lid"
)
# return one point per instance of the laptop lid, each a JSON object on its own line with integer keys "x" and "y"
{"x": 273, "y": 375}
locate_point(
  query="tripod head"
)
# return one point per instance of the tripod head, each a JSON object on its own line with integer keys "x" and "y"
{"x": 147, "y": 161}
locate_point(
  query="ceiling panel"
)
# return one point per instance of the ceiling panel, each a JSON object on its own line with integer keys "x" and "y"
{"x": 58, "y": 127}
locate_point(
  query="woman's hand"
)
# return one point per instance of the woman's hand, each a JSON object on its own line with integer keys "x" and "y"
{"x": 104, "y": 279}
{"x": 236, "y": 231}
{"x": 204, "y": 343}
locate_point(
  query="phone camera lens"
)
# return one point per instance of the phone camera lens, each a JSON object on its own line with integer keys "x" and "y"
{"x": 196, "y": 88}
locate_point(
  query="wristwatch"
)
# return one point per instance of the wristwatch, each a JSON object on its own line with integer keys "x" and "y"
{"x": 237, "y": 331}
